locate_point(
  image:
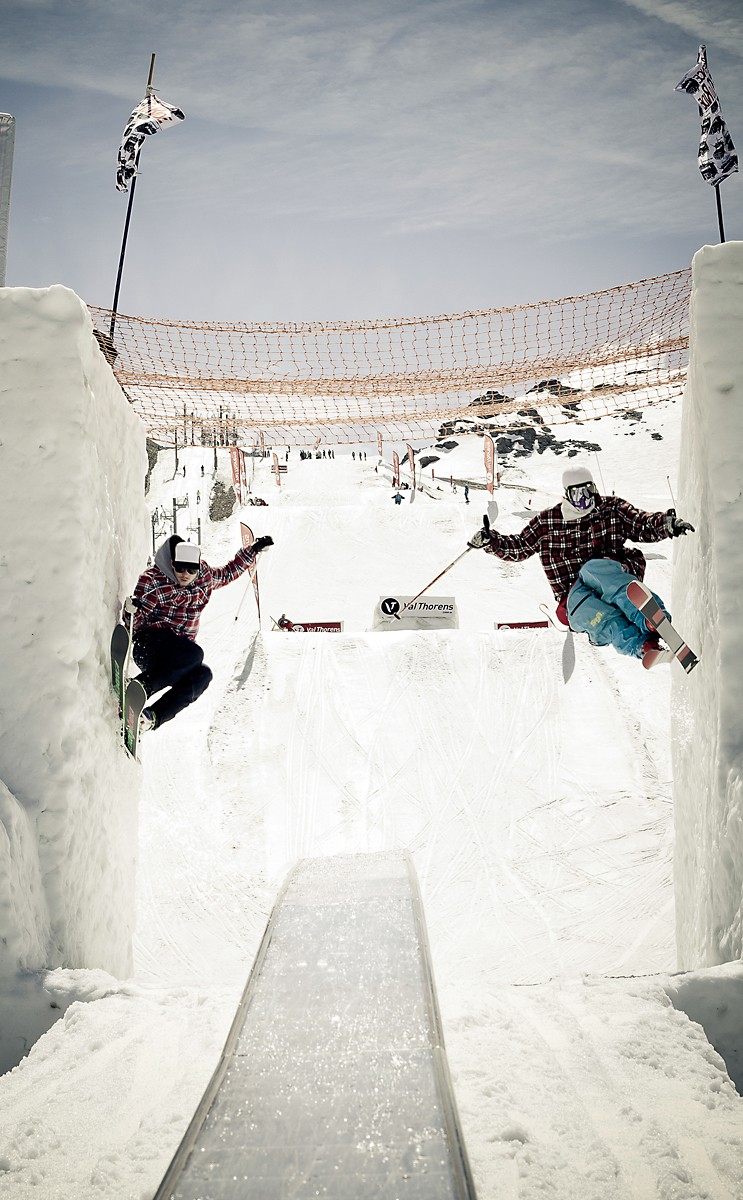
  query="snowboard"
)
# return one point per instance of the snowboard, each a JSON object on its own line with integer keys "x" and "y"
{"x": 120, "y": 643}
{"x": 135, "y": 698}
{"x": 645, "y": 602}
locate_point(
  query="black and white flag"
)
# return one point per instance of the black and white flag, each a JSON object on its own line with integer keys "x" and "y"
{"x": 717, "y": 156}
{"x": 151, "y": 115}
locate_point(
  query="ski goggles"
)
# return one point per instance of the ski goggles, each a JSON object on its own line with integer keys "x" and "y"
{"x": 582, "y": 495}
{"x": 187, "y": 567}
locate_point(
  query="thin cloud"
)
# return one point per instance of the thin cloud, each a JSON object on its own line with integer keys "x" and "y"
{"x": 714, "y": 22}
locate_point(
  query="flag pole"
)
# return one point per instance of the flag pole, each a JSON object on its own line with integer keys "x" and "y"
{"x": 719, "y": 212}
{"x": 117, "y": 289}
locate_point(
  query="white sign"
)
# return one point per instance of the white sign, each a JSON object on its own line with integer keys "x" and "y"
{"x": 395, "y": 612}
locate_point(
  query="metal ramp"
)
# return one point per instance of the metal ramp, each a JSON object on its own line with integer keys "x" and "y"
{"x": 333, "y": 1081}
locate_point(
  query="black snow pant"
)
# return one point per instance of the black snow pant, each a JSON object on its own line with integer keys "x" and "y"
{"x": 169, "y": 660}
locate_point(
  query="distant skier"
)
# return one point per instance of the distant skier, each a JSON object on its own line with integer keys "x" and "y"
{"x": 170, "y": 598}
{"x": 581, "y": 545}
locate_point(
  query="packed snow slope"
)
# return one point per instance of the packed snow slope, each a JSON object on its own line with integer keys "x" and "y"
{"x": 537, "y": 803}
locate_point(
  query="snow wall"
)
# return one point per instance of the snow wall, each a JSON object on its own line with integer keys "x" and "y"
{"x": 708, "y": 608}
{"x": 75, "y": 536}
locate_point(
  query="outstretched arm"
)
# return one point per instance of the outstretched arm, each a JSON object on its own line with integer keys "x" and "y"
{"x": 240, "y": 563}
{"x": 514, "y": 547}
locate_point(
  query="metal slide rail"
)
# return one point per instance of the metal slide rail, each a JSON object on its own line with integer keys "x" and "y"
{"x": 334, "y": 1079}
{"x": 463, "y": 1181}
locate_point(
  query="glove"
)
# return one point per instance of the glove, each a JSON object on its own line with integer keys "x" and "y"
{"x": 562, "y": 612}
{"x": 480, "y": 540}
{"x": 675, "y": 526}
{"x": 261, "y": 543}
{"x": 680, "y": 527}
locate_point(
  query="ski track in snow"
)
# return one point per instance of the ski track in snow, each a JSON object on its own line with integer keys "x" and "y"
{"x": 464, "y": 748}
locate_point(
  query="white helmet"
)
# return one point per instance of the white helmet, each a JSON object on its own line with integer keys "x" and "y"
{"x": 579, "y": 488}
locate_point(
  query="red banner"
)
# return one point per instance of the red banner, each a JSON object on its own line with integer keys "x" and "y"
{"x": 276, "y": 470}
{"x": 309, "y": 626}
{"x": 235, "y": 456}
{"x": 379, "y": 444}
{"x": 488, "y": 450}
{"x": 522, "y": 625}
{"x": 411, "y": 460}
{"x": 395, "y": 469}
{"x": 247, "y": 536}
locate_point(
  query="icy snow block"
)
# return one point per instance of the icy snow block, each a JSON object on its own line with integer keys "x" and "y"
{"x": 333, "y": 1081}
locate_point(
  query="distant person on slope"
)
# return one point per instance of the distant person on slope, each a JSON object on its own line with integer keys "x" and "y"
{"x": 581, "y": 545}
{"x": 170, "y": 599}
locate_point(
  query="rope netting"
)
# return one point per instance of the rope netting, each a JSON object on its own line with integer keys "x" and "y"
{"x": 579, "y": 357}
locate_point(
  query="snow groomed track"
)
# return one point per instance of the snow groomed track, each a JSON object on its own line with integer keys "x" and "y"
{"x": 333, "y": 1080}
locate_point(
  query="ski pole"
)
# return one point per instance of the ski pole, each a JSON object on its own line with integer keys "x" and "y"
{"x": 668, "y": 481}
{"x": 242, "y": 601}
{"x": 433, "y": 581}
{"x": 601, "y": 474}
{"x": 486, "y": 526}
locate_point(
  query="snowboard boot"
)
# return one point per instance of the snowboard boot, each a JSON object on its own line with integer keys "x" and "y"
{"x": 148, "y": 721}
{"x": 654, "y": 653}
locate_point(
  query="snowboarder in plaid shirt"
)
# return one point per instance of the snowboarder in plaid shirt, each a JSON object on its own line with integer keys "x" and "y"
{"x": 170, "y": 598}
{"x": 581, "y": 543}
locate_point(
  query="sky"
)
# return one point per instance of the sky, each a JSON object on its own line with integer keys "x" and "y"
{"x": 359, "y": 161}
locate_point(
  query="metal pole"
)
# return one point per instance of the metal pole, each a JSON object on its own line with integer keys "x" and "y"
{"x": 7, "y": 141}
{"x": 719, "y": 212}
{"x": 175, "y": 515}
{"x": 433, "y": 581}
{"x": 117, "y": 289}
{"x": 121, "y": 258}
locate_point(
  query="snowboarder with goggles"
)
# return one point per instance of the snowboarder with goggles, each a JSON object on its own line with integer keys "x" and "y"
{"x": 581, "y": 544}
{"x": 170, "y": 598}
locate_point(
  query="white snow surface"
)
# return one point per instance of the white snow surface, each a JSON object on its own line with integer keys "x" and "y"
{"x": 539, "y": 813}
{"x": 74, "y": 527}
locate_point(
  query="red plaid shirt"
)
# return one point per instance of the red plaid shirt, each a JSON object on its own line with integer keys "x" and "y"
{"x": 564, "y": 546}
{"x": 164, "y": 604}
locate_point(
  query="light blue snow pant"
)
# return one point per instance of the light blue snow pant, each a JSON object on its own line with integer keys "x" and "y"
{"x": 598, "y": 605}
